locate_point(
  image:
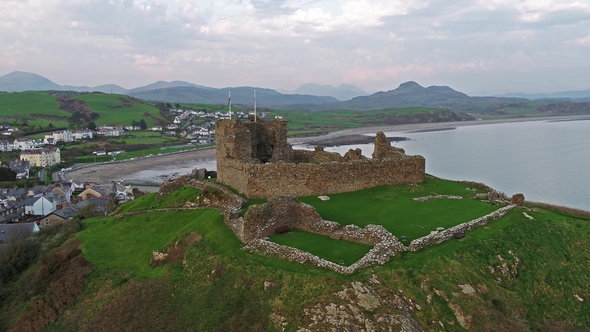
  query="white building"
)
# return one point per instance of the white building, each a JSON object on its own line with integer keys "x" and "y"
{"x": 23, "y": 144}
{"x": 6, "y": 146}
{"x": 82, "y": 134}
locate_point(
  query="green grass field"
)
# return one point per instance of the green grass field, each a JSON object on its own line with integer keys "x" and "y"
{"x": 337, "y": 251}
{"x": 30, "y": 102}
{"x": 393, "y": 207}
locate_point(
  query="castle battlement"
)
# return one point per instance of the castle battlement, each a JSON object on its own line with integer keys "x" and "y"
{"x": 255, "y": 159}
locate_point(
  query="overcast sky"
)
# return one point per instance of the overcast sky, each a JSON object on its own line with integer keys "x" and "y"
{"x": 478, "y": 47}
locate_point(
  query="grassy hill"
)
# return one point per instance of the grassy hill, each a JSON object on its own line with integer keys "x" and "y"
{"x": 514, "y": 274}
{"x": 119, "y": 109}
{"x": 30, "y": 103}
{"x": 43, "y": 107}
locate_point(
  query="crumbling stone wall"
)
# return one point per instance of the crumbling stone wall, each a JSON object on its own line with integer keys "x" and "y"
{"x": 438, "y": 237}
{"x": 255, "y": 159}
{"x": 263, "y": 220}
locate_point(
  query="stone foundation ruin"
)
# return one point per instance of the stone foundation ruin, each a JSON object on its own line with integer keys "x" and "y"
{"x": 255, "y": 159}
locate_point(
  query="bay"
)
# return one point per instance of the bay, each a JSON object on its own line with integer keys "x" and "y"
{"x": 547, "y": 161}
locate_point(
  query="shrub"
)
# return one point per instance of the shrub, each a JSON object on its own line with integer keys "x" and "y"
{"x": 16, "y": 257}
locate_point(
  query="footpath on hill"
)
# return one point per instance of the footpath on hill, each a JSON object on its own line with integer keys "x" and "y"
{"x": 156, "y": 169}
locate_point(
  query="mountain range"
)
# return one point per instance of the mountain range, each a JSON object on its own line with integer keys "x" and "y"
{"x": 311, "y": 96}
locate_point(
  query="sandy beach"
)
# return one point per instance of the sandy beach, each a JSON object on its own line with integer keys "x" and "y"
{"x": 156, "y": 169}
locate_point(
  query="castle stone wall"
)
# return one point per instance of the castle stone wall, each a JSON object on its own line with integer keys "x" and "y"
{"x": 255, "y": 159}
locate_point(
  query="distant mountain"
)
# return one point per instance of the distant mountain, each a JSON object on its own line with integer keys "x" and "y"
{"x": 575, "y": 94}
{"x": 239, "y": 95}
{"x": 409, "y": 94}
{"x": 21, "y": 81}
{"x": 106, "y": 88}
{"x": 164, "y": 85}
{"x": 342, "y": 92}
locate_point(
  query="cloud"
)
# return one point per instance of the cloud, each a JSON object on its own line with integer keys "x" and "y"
{"x": 284, "y": 43}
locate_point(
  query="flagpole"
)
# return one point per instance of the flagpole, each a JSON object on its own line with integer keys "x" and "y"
{"x": 229, "y": 102}
{"x": 254, "y": 105}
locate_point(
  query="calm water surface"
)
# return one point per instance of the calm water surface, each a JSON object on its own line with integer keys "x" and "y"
{"x": 546, "y": 161}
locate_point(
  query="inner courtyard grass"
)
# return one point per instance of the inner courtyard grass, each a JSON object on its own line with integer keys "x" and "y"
{"x": 393, "y": 207}
{"x": 337, "y": 251}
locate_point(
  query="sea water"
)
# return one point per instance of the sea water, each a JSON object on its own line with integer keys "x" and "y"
{"x": 547, "y": 161}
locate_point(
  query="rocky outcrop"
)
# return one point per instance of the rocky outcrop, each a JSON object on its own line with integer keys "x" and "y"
{"x": 358, "y": 310}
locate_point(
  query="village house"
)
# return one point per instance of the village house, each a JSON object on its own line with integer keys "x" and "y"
{"x": 40, "y": 205}
{"x": 42, "y": 157}
{"x": 11, "y": 211}
{"x": 58, "y": 136}
{"x": 110, "y": 131}
{"x": 21, "y": 167}
{"x": 23, "y": 144}
{"x": 6, "y": 146}
{"x": 82, "y": 134}
{"x": 13, "y": 194}
{"x": 90, "y": 193}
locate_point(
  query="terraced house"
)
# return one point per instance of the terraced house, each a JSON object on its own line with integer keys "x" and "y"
{"x": 42, "y": 157}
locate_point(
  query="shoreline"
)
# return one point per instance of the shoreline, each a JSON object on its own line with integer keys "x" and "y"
{"x": 425, "y": 127}
{"x": 152, "y": 171}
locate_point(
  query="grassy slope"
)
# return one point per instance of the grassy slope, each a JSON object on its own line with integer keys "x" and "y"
{"x": 29, "y": 102}
{"x": 218, "y": 287}
{"x": 112, "y": 109}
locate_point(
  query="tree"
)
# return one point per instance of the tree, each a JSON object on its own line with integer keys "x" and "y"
{"x": 94, "y": 116}
{"x": 18, "y": 233}
{"x": 142, "y": 124}
{"x": 50, "y": 125}
{"x": 89, "y": 211}
{"x": 91, "y": 125}
{"x": 6, "y": 174}
{"x": 177, "y": 106}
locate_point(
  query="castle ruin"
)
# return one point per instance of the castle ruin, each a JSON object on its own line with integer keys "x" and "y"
{"x": 255, "y": 159}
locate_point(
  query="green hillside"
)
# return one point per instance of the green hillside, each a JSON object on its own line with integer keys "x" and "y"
{"x": 30, "y": 103}
{"x": 119, "y": 109}
{"x": 514, "y": 274}
{"x": 43, "y": 107}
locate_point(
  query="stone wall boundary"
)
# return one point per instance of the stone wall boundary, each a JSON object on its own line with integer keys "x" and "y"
{"x": 427, "y": 198}
{"x": 385, "y": 244}
{"x": 444, "y": 235}
{"x": 379, "y": 254}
